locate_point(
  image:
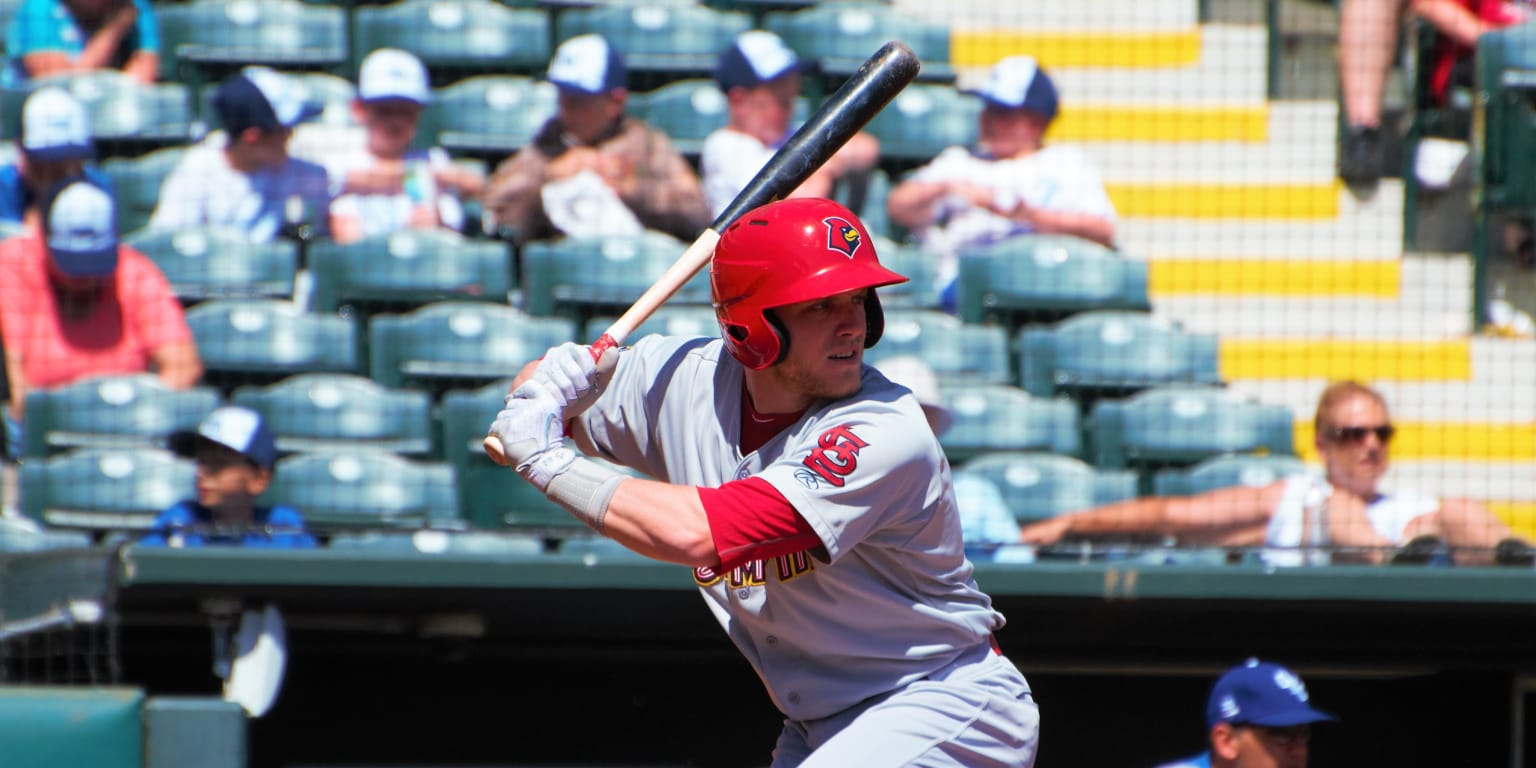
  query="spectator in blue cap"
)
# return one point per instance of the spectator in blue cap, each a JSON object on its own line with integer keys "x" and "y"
{"x": 1010, "y": 184}
{"x": 235, "y": 455}
{"x": 592, "y": 170}
{"x": 1259, "y": 716}
{"x": 760, "y": 77}
{"x": 242, "y": 178}
{"x": 55, "y": 144}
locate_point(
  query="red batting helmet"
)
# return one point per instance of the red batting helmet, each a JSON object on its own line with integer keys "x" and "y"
{"x": 785, "y": 253}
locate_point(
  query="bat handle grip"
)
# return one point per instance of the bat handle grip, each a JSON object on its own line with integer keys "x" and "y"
{"x": 604, "y": 343}
{"x": 492, "y": 446}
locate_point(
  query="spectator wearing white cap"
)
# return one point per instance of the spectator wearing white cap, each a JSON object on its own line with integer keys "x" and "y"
{"x": 1011, "y": 183}
{"x": 242, "y": 178}
{"x": 76, "y": 303}
{"x": 51, "y": 37}
{"x": 592, "y": 170}
{"x": 760, "y": 77}
{"x": 386, "y": 184}
{"x": 55, "y": 145}
{"x": 236, "y": 456}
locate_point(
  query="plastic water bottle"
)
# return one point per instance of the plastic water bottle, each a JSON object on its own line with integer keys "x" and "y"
{"x": 1314, "y": 522}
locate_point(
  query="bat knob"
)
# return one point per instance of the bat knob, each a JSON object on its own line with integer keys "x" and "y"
{"x": 493, "y": 450}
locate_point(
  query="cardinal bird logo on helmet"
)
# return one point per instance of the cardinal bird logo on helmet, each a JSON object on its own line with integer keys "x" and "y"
{"x": 842, "y": 236}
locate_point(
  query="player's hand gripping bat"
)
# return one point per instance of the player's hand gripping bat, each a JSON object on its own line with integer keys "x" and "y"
{"x": 876, "y": 82}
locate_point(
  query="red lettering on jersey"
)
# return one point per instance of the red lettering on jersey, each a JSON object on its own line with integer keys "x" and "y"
{"x": 836, "y": 454}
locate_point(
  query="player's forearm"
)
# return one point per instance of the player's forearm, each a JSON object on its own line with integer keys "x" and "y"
{"x": 661, "y": 521}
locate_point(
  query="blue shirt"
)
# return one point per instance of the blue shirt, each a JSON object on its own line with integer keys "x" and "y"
{"x": 16, "y": 198}
{"x": 1202, "y": 760}
{"x": 184, "y": 525}
{"x": 46, "y": 25}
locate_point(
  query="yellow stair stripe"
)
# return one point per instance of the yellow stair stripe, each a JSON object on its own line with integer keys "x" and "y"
{"x": 1335, "y": 359}
{"x": 985, "y": 47}
{"x": 1445, "y": 441}
{"x": 1091, "y": 122}
{"x": 1226, "y": 201}
{"x": 1520, "y": 516}
{"x": 1271, "y": 277}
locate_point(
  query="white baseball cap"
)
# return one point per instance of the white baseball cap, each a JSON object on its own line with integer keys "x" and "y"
{"x": 237, "y": 428}
{"x": 588, "y": 64}
{"x": 54, "y": 126}
{"x": 1018, "y": 82}
{"x": 80, "y": 226}
{"x": 390, "y": 73}
{"x": 756, "y": 57}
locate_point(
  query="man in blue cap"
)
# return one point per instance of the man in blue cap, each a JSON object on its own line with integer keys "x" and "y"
{"x": 1259, "y": 717}
{"x": 1010, "y": 183}
{"x": 235, "y": 455}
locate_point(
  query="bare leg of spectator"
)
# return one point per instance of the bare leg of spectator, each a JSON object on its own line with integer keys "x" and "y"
{"x": 1367, "y": 37}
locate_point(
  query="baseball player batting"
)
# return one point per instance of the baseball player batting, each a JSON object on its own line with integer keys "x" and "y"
{"x": 805, "y": 490}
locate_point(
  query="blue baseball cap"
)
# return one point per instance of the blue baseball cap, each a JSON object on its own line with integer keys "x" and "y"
{"x": 237, "y": 428}
{"x": 1018, "y": 82}
{"x": 1261, "y": 693}
{"x": 80, "y": 229}
{"x": 262, "y": 98}
{"x": 755, "y": 57}
{"x": 588, "y": 64}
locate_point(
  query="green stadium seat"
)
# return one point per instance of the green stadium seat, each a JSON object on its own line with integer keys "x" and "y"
{"x": 492, "y": 496}
{"x": 1226, "y": 472}
{"x": 338, "y": 411}
{"x": 203, "y": 40}
{"x": 1183, "y": 424}
{"x": 1504, "y": 111}
{"x": 21, "y": 534}
{"x": 454, "y": 345}
{"x": 1039, "y": 486}
{"x": 921, "y": 291}
{"x": 261, "y": 341}
{"x": 661, "y": 42}
{"x": 994, "y": 417}
{"x": 211, "y": 263}
{"x": 434, "y": 542}
{"x": 408, "y": 269}
{"x": 1113, "y": 353}
{"x": 71, "y": 725}
{"x": 339, "y": 490}
{"x": 957, "y": 352}
{"x": 125, "y": 412}
{"x": 583, "y": 277}
{"x": 667, "y": 321}
{"x": 126, "y": 116}
{"x": 688, "y": 111}
{"x": 136, "y": 184}
{"x": 105, "y": 489}
{"x": 456, "y": 37}
{"x": 489, "y": 115}
{"x": 1045, "y": 278}
{"x": 922, "y": 121}
{"x": 840, "y": 36}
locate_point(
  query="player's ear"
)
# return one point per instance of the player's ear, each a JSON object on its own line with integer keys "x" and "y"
{"x": 1224, "y": 741}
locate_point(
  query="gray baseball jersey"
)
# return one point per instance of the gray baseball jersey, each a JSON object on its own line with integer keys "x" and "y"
{"x": 893, "y": 601}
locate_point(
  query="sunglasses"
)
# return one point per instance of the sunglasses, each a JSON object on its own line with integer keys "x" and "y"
{"x": 1383, "y": 433}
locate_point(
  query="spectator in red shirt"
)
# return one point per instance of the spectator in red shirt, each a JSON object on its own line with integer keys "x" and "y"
{"x": 75, "y": 303}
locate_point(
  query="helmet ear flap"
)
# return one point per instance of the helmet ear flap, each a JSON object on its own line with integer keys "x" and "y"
{"x": 874, "y": 319}
{"x": 780, "y": 335}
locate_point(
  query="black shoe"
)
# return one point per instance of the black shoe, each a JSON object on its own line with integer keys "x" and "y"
{"x": 1361, "y": 156}
{"x": 1423, "y": 550}
{"x": 1513, "y": 551}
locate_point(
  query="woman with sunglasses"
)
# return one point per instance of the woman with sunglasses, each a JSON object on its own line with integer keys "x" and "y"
{"x": 1359, "y": 521}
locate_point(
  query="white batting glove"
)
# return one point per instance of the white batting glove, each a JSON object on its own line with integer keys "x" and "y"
{"x": 574, "y": 379}
{"x": 531, "y": 431}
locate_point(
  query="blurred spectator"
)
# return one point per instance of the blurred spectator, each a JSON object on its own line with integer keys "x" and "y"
{"x": 1258, "y": 714}
{"x": 1353, "y": 432}
{"x": 591, "y": 169}
{"x": 55, "y": 145}
{"x": 760, "y": 77}
{"x": 235, "y": 456}
{"x": 986, "y": 523}
{"x": 1368, "y": 32}
{"x": 51, "y": 37}
{"x": 386, "y": 185}
{"x": 242, "y": 178}
{"x": 1010, "y": 184}
{"x": 74, "y": 303}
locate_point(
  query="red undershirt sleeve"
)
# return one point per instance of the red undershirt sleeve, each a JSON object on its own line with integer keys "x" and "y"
{"x": 750, "y": 520}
